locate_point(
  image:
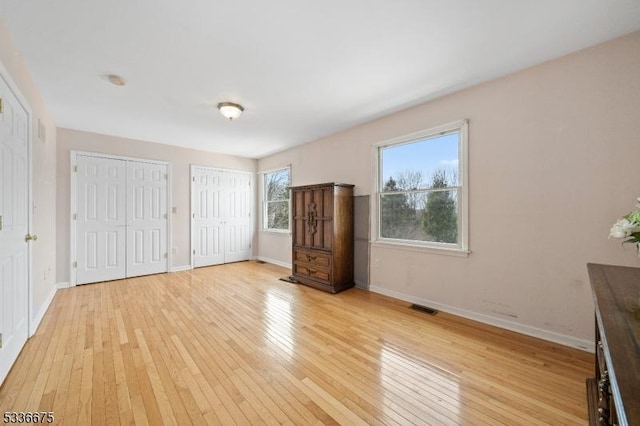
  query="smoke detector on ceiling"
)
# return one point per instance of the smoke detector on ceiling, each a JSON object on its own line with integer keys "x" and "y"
{"x": 116, "y": 80}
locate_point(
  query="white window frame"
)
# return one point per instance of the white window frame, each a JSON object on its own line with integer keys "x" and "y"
{"x": 460, "y": 249}
{"x": 265, "y": 202}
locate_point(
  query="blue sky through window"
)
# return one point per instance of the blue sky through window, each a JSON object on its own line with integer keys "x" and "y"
{"x": 426, "y": 156}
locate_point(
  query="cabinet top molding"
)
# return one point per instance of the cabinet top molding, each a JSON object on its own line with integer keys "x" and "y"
{"x": 318, "y": 185}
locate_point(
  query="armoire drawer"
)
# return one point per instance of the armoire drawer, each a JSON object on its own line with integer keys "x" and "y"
{"x": 314, "y": 258}
{"x": 317, "y": 274}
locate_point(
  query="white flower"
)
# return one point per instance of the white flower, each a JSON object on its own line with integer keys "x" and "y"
{"x": 622, "y": 229}
{"x": 628, "y": 227}
{"x": 618, "y": 230}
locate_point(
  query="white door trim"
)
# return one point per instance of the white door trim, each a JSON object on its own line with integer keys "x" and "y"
{"x": 73, "y": 249}
{"x": 4, "y": 74}
{"x": 252, "y": 176}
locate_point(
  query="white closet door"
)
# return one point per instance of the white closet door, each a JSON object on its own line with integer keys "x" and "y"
{"x": 221, "y": 212}
{"x": 14, "y": 258}
{"x": 238, "y": 219}
{"x": 147, "y": 215}
{"x": 207, "y": 216}
{"x": 100, "y": 219}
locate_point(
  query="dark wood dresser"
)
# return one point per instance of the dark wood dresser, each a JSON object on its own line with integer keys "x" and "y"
{"x": 614, "y": 393}
{"x": 323, "y": 236}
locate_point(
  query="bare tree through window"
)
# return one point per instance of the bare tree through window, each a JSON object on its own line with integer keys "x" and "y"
{"x": 420, "y": 190}
{"x": 276, "y": 196}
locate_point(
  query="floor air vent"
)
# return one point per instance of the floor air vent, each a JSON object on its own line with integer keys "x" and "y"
{"x": 260, "y": 261}
{"x": 423, "y": 309}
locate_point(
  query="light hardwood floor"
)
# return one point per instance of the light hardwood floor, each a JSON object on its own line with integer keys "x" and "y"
{"x": 232, "y": 344}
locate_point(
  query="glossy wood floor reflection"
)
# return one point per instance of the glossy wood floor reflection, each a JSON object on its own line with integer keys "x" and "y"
{"x": 234, "y": 345}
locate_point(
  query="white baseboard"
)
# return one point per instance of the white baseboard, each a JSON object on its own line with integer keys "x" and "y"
{"x": 35, "y": 323}
{"x": 63, "y": 285}
{"x": 181, "y": 268}
{"x": 364, "y": 286}
{"x": 550, "y": 336}
{"x": 275, "y": 262}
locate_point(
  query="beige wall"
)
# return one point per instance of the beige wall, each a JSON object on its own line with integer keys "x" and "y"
{"x": 180, "y": 159}
{"x": 553, "y": 160}
{"x": 43, "y": 174}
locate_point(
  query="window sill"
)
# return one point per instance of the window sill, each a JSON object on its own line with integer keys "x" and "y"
{"x": 276, "y": 231}
{"x": 416, "y": 248}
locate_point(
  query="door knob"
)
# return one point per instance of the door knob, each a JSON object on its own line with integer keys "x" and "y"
{"x": 30, "y": 237}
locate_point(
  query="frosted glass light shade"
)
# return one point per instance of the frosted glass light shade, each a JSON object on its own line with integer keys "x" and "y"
{"x": 230, "y": 110}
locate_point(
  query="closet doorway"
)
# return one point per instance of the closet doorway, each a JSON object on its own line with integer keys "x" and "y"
{"x": 119, "y": 217}
{"x": 221, "y": 230}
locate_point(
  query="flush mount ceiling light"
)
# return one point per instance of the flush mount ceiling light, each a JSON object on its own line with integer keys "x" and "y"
{"x": 230, "y": 110}
{"x": 116, "y": 80}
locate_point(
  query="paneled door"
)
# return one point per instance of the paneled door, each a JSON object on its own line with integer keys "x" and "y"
{"x": 238, "y": 217}
{"x": 221, "y": 216}
{"x": 14, "y": 226}
{"x": 101, "y": 185}
{"x": 207, "y": 217}
{"x": 146, "y": 218}
{"x": 121, "y": 218}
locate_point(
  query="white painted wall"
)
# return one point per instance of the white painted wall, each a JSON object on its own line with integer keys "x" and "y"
{"x": 43, "y": 178}
{"x": 180, "y": 160}
{"x": 553, "y": 160}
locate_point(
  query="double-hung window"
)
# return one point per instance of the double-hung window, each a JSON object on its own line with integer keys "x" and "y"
{"x": 421, "y": 189}
{"x": 276, "y": 200}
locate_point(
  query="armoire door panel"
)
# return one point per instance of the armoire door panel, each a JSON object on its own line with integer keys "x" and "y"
{"x": 297, "y": 215}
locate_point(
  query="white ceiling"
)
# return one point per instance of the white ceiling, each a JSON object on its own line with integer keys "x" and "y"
{"x": 302, "y": 69}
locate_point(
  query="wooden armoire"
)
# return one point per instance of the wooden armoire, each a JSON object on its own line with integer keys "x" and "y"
{"x": 323, "y": 236}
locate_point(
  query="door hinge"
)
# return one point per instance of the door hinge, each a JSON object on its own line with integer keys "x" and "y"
{"x": 166, "y": 216}
{"x": 166, "y": 255}
{"x": 75, "y": 169}
{"x": 75, "y": 216}
{"x": 193, "y": 178}
{"x": 0, "y": 222}
{"x": 166, "y": 176}
{"x": 0, "y": 333}
{"x": 75, "y": 264}
{"x": 193, "y": 215}
{"x": 194, "y": 252}
{"x": 1, "y": 111}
